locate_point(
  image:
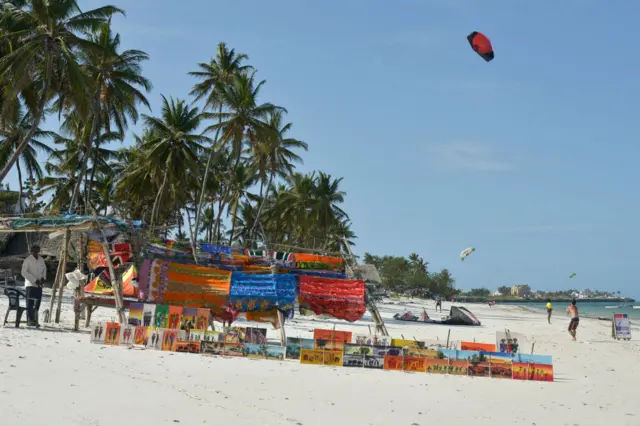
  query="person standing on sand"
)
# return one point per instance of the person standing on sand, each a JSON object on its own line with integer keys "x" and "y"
{"x": 438, "y": 303}
{"x": 34, "y": 272}
{"x": 549, "y": 309}
{"x": 575, "y": 319}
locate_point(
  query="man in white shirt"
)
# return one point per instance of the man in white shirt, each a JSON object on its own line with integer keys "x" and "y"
{"x": 34, "y": 272}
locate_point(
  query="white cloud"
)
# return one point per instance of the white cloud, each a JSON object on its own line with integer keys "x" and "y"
{"x": 471, "y": 157}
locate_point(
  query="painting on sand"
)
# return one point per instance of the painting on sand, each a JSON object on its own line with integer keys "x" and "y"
{"x": 233, "y": 349}
{"x": 392, "y": 362}
{"x": 501, "y": 368}
{"x": 479, "y": 365}
{"x": 372, "y": 340}
{"x": 187, "y": 347}
{"x": 480, "y": 347}
{"x": 276, "y": 353}
{"x": 520, "y": 371}
{"x": 437, "y": 366}
{"x": 202, "y": 318}
{"x": 112, "y": 334}
{"x": 161, "y": 316}
{"x": 312, "y": 356}
{"x": 256, "y": 335}
{"x": 353, "y": 356}
{"x": 212, "y": 348}
{"x": 255, "y": 351}
{"x": 510, "y": 343}
{"x": 154, "y": 337}
{"x": 375, "y": 358}
{"x": 126, "y": 335}
{"x": 148, "y": 315}
{"x": 140, "y": 336}
{"x": 332, "y": 358}
{"x": 169, "y": 339}
{"x": 331, "y": 339}
{"x": 416, "y": 364}
{"x": 234, "y": 334}
{"x": 541, "y": 372}
{"x": 98, "y": 333}
{"x": 295, "y": 345}
{"x": 458, "y": 367}
{"x": 174, "y": 316}
{"x": 196, "y": 335}
{"x": 188, "y": 320}
{"x": 136, "y": 311}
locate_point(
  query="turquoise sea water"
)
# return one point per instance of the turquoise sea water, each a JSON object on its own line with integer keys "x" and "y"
{"x": 592, "y": 309}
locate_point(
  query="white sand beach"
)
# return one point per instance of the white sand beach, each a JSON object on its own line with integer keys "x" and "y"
{"x": 56, "y": 377}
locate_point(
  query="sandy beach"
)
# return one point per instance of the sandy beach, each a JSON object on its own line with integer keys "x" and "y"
{"x": 56, "y": 377}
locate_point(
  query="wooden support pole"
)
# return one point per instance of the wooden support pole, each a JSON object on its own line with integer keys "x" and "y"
{"x": 54, "y": 287}
{"x": 63, "y": 270}
{"x": 115, "y": 282}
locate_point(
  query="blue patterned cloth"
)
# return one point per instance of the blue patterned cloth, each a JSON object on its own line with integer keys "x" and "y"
{"x": 262, "y": 292}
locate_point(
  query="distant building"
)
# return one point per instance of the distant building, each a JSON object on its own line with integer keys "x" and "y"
{"x": 496, "y": 294}
{"x": 521, "y": 290}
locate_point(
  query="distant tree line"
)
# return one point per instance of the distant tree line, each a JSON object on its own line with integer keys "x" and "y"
{"x": 411, "y": 276}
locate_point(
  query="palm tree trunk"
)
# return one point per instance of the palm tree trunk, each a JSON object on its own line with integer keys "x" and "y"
{"x": 156, "y": 203}
{"x": 93, "y": 175}
{"x": 262, "y": 202}
{"x": 211, "y": 223}
{"x": 193, "y": 245}
{"x": 206, "y": 171}
{"x": 87, "y": 154}
{"x": 19, "y": 189}
{"x": 233, "y": 220}
{"x": 36, "y": 121}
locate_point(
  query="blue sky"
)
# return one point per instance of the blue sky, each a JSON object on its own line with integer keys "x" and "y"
{"x": 532, "y": 158}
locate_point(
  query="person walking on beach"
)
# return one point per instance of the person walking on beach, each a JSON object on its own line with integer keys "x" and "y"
{"x": 34, "y": 272}
{"x": 438, "y": 303}
{"x": 572, "y": 309}
{"x": 549, "y": 309}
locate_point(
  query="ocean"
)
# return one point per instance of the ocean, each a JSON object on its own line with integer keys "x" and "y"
{"x": 592, "y": 309}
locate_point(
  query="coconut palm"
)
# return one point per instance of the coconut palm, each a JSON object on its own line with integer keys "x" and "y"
{"x": 217, "y": 75}
{"x": 173, "y": 146}
{"x": 46, "y": 40}
{"x": 116, "y": 84}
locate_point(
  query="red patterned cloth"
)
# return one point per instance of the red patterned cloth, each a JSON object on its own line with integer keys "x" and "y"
{"x": 342, "y": 299}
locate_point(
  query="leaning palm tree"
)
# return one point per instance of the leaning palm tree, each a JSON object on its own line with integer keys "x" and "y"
{"x": 46, "y": 40}
{"x": 173, "y": 145}
{"x": 14, "y": 125}
{"x": 218, "y": 74}
{"x": 274, "y": 156}
{"x": 117, "y": 86}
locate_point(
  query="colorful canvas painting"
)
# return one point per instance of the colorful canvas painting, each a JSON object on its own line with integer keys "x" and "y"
{"x": 520, "y": 371}
{"x": 136, "y": 310}
{"x": 405, "y": 343}
{"x": 98, "y": 333}
{"x": 353, "y": 355}
{"x": 372, "y": 340}
{"x": 196, "y": 335}
{"x": 140, "y": 336}
{"x": 439, "y": 344}
{"x": 256, "y": 335}
{"x": 512, "y": 343}
{"x": 154, "y": 338}
{"x": 161, "y": 316}
{"x": 213, "y": 336}
{"x": 173, "y": 318}
{"x": 187, "y": 347}
{"x": 541, "y": 372}
{"x": 375, "y": 358}
{"x": 534, "y": 359}
{"x": 295, "y": 345}
{"x": 233, "y": 349}
{"x": 276, "y": 353}
{"x": 126, "y": 335}
{"x": 169, "y": 339}
{"x": 457, "y": 367}
{"x": 501, "y": 368}
{"x": 479, "y": 369}
{"x": 234, "y": 334}
{"x": 415, "y": 364}
{"x": 392, "y": 362}
{"x": 331, "y": 339}
{"x": 112, "y": 334}
{"x": 415, "y": 352}
{"x": 188, "y": 320}
{"x": 437, "y": 366}
{"x": 212, "y": 348}
{"x": 148, "y": 315}
{"x": 312, "y": 356}
{"x": 480, "y": 347}
{"x": 333, "y": 358}
{"x": 255, "y": 351}
{"x": 202, "y": 318}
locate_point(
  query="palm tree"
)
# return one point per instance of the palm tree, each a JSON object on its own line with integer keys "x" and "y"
{"x": 328, "y": 196}
{"x": 14, "y": 125}
{"x": 218, "y": 74}
{"x": 117, "y": 81}
{"x": 46, "y": 42}
{"x": 173, "y": 145}
{"x": 274, "y": 156}
{"x": 242, "y": 178}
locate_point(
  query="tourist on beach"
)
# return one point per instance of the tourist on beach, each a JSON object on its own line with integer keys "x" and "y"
{"x": 549, "y": 309}
{"x": 572, "y": 309}
{"x": 34, "y": 272}
{"x": 438, "y": 303}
